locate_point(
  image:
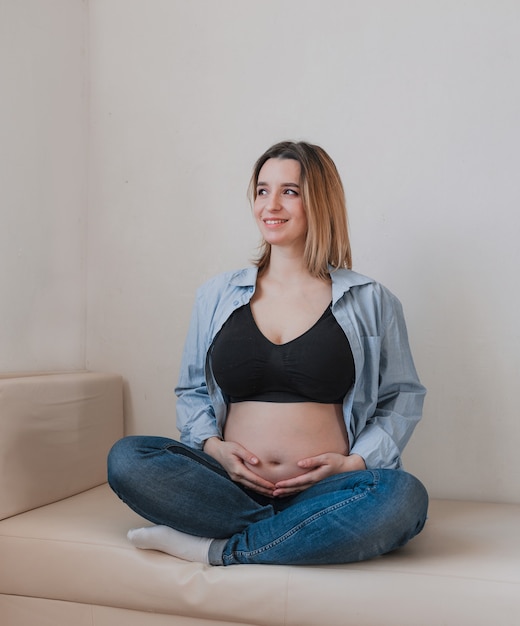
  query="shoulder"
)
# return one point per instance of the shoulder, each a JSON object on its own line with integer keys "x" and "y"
{"x": 227, "y": 290}
{"x": 235, "y": 279}
{"x": 219, "y": 296}
{"x": 358, "y": 285}
{"x": 366, "y": 296}
{"x": 346, "y": 279}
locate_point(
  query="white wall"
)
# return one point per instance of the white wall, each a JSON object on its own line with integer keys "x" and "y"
{"x": 418, "y": 103}
{"x": 43, "y": 143}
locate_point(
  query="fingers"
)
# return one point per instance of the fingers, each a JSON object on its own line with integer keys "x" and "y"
{"x": 332, "y": 460}
{"x": 296, "y": 484}
{"x": 253, "y": 481}
{"x": 237, "y": 464}
{"x": 247, "y": 457}
{"x": 311, "y": 462}
{"x": 318, "y": 467}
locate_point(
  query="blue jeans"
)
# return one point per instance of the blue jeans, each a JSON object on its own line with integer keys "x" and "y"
{"x": 347, "y": 517}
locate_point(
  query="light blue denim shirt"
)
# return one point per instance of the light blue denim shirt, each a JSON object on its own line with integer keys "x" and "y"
{"x": 385, "y": 402}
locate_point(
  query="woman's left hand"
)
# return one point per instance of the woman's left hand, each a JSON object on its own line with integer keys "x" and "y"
{"x": 317, "y": 468}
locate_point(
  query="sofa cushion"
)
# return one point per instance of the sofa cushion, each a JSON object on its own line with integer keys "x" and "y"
{"x": 55, "y": 433}
{"x": 462, "y": 569}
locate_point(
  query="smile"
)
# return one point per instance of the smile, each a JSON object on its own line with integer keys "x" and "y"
{"x": 274, "y": 222}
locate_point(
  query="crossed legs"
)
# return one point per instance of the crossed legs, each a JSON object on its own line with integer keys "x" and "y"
{"x": 347, "y": 517}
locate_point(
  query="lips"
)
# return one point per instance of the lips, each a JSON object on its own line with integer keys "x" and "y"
{"x": 272, "y": 222}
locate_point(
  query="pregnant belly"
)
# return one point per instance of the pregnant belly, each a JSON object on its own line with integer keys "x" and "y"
{"x": 280, "y": 435}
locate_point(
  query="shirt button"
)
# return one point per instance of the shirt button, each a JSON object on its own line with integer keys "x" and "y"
{"x": 235, "y": 303}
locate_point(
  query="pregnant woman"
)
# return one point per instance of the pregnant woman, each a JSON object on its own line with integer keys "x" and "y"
{"x": 296, "y": 397}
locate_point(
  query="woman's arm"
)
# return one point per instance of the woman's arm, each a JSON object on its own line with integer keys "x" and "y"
{"x": 196, "y": 420}
{"x": 399, "y": 395}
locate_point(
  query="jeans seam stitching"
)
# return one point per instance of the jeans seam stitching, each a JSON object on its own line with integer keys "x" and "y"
{"x": 302, "y": 524}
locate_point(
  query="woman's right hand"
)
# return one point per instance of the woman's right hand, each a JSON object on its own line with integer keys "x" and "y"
{"x": 235, "y": 459}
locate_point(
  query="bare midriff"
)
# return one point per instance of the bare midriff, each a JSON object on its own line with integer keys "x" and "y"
{"x": 281, "y": 434}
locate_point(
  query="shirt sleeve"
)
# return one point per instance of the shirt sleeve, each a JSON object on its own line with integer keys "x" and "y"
{"x": 399, "y": 395}
{"x": 196, "y": 419}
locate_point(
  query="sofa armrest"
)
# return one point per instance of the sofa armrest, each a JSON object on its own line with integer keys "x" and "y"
{"x": 55, "y": 433}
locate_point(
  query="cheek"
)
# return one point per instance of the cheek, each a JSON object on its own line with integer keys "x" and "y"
{"x": 257, "y": 209}
{"x": 303, "y": 219}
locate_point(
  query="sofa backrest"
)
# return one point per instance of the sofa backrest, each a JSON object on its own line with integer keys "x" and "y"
{"x": 55, "y": 433}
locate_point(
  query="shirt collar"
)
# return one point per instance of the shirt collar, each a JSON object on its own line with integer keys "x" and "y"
{"x": 342, "y": 280}
{"x": 245, "y": 277}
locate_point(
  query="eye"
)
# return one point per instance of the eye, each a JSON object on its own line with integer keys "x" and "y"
{"x": 291, "y": 192}
{"x": 261, "y": 191}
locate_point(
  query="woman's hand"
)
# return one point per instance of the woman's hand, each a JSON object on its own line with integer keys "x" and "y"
{"x": 235, "y": 459}
{"x": 318, "y": 468}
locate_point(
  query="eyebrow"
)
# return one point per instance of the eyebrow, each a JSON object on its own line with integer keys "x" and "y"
{"x": 262, "y": 184}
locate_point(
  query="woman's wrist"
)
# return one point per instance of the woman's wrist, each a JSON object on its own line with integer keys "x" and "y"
{"x": 209, "y": 444}
{"x": 356, "y": 462}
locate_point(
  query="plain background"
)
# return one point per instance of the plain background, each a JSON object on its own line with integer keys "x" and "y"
{"x": 128, "y": 130}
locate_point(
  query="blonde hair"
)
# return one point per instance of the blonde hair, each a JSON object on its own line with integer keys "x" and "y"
{"x": 323, "y": 198}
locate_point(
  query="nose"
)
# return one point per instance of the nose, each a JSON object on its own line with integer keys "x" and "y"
{"x": 272, "y": 202}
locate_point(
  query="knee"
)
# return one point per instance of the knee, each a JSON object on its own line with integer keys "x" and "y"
{"x": 121, "y": 461}
{"x": 132, "y": 457}
{"x": 414, "y": 500}
{"x": 418, "y": 493}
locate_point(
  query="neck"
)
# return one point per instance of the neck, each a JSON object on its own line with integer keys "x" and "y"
{"x": 288, "y": 269}
{"x": 286, "y": 266}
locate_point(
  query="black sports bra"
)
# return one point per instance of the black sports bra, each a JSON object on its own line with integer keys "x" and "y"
{"x": 317, "y": 366}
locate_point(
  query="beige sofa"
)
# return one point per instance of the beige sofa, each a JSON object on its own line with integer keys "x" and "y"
{"x": 65, "y": 561}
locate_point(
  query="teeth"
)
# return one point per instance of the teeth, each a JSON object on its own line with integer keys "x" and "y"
{"x": 275, "y": 221}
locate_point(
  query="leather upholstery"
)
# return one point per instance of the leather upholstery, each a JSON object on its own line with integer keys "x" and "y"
{"x": 68, "y": 562}
{"x": 55, "y": 433}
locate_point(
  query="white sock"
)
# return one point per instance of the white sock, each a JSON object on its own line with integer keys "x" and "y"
{"x": 166, "y": 539}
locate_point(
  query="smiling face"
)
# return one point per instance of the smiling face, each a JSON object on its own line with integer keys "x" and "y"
{"x": 278, "y": 206}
